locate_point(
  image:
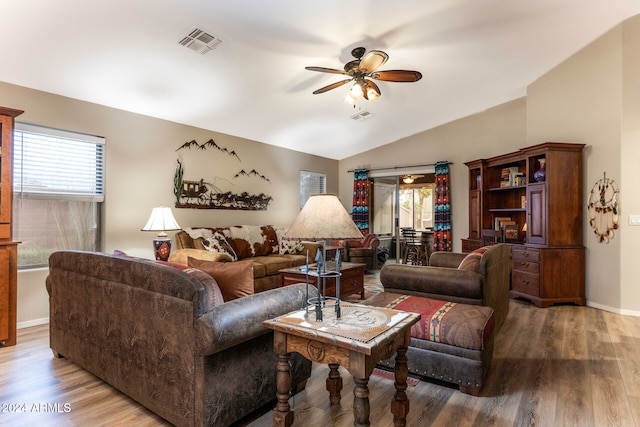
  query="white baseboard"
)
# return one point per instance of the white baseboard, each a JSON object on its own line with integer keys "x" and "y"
{"x": 614, "y": 309}
{"x": 34, "y": 322}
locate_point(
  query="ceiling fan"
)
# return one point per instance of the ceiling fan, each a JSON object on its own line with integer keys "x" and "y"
{"x": 363, "y": 68}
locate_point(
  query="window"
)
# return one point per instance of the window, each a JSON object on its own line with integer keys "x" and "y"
{"x": 58, "y": 185}
{"x": 311, "y": 183}
{"x": 416, "y": 206}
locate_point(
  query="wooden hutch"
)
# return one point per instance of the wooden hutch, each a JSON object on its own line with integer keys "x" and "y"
{"x": 8, "y": 248}
{"x": 544, "y": 218}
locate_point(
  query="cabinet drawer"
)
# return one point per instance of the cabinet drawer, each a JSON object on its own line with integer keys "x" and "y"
{"x": 525, "y": 265}
{"x": 526, "y": 283}
{"x": 526, "y": 254}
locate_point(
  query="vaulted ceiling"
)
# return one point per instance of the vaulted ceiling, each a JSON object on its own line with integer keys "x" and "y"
{"x": 126, "y": 54}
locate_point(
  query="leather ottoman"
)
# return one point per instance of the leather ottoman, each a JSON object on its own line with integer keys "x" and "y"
{"x": 452, "y": 342}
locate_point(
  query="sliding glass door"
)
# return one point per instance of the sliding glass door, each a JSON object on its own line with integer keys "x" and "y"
{"x": 396, "y": 205}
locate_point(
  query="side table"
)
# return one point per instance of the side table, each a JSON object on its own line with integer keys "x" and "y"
{"x": 358, "y": 340}
{"x": 351, "y": 281}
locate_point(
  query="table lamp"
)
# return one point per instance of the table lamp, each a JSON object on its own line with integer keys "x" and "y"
{"x": 161, "y": 220}
{"x": 324, "y": 218}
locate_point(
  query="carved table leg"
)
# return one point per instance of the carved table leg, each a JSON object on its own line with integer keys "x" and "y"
{"x": 283, "y": 416}
{"x": 400, "y": 402}
{"x": 361, "y": 407}
{"x": 334, "y": 383}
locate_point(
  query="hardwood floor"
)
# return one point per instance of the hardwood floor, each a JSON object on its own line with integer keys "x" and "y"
{"x": 559, "y": 366}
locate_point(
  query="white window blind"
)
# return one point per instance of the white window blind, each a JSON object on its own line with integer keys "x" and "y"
{"x": 311, "y": 183}
{"x": 52, "y": 163}
{"x": 58, "y": 186}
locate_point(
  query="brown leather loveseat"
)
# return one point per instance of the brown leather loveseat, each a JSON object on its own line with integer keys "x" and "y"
{"x": 161, "y": 334}
{"x": 480, "y": 278}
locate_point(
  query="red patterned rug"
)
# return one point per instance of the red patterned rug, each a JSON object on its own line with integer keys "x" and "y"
{"x": 389, "y": 375}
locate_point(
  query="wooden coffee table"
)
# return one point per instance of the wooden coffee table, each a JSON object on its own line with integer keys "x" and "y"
{"x": 358, "y": 340}
{"x": 351, "y": 281}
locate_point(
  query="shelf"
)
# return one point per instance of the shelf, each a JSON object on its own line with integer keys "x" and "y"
{"x": 507, "y": 210}
{"x": 513, "y": 187}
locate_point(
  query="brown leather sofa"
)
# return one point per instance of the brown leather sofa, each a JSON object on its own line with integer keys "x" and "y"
{"x": 262, "y": 244}
{"x": 161, "y": 334}
{"x": 442, "y": 279}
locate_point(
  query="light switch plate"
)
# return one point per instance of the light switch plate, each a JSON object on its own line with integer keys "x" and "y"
{"x": 634, "y": 219}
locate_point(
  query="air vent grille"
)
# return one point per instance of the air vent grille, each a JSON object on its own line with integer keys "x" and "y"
{"x": 361, "y": 115}
{"x": 200, "y": 41}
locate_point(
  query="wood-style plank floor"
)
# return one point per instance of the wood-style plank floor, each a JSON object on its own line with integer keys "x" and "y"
{"x": 559, "y": 366}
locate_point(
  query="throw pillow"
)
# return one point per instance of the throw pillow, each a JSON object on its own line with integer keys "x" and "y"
{"x": 472, "y": 261}
{"x": 218, "y": 243}
{"x": 180, "y": 256}
{"x": 287, "y": 246}
{"x": 235, "y": 279}
{"x": 290, "y": 246}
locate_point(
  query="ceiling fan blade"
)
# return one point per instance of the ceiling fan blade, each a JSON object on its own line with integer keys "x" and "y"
{"x": 397, "y": 76}
{"x": 327, "y": 70}
{"x": 331, "y": 86}
{"x": 372, "y": 60}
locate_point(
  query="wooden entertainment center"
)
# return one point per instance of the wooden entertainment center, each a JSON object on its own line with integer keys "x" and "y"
{"x": 542, "y": 218}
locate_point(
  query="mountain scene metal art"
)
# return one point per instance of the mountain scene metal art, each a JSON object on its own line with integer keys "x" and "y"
{"x": 200, "y": 194}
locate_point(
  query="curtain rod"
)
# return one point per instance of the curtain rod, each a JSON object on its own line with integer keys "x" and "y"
{"x": 398, "y": 167}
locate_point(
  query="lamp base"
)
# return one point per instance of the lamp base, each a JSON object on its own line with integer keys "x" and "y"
{"x": 162, "y": 249}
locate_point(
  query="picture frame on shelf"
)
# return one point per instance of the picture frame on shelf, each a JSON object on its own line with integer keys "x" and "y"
{"x": 511, "y": 233}
{"x": 498, "y": 222}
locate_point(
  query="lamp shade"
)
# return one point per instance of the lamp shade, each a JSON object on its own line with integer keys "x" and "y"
{"x": 161, "y": 220}
{"x": 323, "y": 218}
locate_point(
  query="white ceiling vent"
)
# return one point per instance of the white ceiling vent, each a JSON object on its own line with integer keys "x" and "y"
{"x": 361, "y": 116}
{"x": 200, "y": 41}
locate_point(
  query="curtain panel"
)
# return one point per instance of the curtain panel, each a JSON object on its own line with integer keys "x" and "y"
{"x": 442, "y": 221}
{"x": 360, "y": 209}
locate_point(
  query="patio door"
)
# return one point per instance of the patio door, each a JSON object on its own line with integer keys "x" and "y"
{"x": 386, "y": 212}
{"x": 395, "y": 204}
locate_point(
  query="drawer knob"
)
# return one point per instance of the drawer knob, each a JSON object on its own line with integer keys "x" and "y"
{"x": 524, "y": 282}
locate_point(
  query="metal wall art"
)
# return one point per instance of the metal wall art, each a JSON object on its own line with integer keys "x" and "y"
{"x": 604, "y": 209}
{"x": 201, "y": 194}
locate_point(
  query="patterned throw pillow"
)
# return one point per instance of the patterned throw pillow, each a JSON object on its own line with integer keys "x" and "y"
{"x": 219, "y": 243}
{"x": 288, "y": 246}
{"x": 472, "y": 261}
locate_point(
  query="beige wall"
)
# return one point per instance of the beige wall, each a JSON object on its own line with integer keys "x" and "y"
{"x": 499, "y": 130}
{"x": 629, "y": 166}
{"x": 593, "y": 98}
{"x": 140, "y": 163}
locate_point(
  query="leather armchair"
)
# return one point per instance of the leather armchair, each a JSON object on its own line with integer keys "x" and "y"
{"x": 364, "y": 251}
{"x": 443, "y": 280}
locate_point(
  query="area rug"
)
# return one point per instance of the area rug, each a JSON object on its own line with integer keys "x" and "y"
{"x": 372, "y": 286}
{"x": 389, "y": 375}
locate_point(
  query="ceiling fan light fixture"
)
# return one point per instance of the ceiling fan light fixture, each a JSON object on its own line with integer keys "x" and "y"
{"x": 360, "y": 70}
{"x": 357, "y": 90}
{"x": 349, "y": 99}
{"x": 408, "y": 179}
{"x": 372, "y": 93}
